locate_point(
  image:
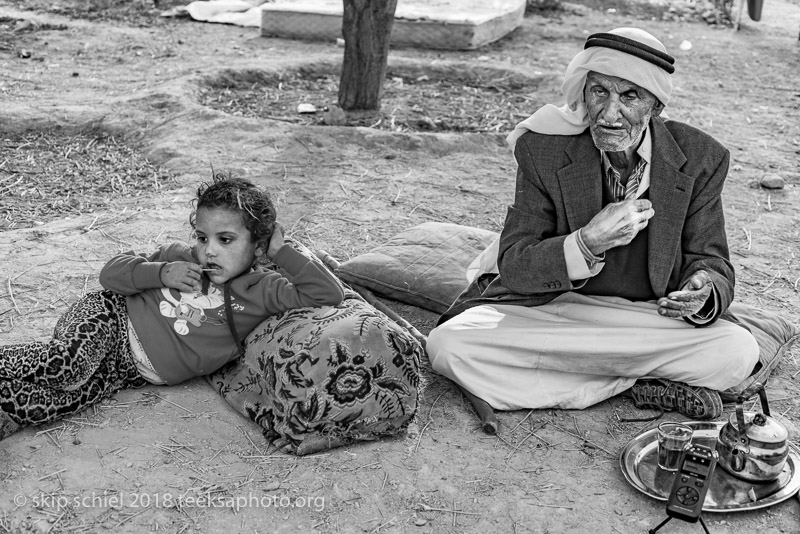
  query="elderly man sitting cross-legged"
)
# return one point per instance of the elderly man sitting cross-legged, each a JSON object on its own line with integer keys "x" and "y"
{"x": 613, "y": 261}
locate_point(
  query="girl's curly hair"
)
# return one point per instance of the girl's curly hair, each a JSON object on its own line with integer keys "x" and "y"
{"x": 236, "y": 194}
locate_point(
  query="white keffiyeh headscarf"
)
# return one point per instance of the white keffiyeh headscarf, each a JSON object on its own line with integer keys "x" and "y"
{"x": 649, "y": 67}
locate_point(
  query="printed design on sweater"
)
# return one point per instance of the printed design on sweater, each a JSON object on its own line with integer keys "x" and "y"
{"x": 191, "y": 308}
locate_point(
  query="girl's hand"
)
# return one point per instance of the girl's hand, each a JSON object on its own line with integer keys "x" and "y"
{"x": 276, "y": 241}
{"x": 182, "y": 275}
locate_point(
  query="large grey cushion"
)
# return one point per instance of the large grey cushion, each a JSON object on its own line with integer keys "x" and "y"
{"x": 424, "y": 265}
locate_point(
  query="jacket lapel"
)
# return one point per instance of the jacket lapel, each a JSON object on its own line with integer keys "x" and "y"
{"x": 670, "y": 192}
{"x": 581, "y": 182}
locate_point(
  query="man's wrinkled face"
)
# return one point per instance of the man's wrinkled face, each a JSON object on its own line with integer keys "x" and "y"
{"x": 619, "y": 111}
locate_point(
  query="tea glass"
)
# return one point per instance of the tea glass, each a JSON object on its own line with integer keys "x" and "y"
{"x": 673, "y": 438}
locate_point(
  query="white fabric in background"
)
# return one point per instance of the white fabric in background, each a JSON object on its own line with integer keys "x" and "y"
{"x": 238, "y": 12}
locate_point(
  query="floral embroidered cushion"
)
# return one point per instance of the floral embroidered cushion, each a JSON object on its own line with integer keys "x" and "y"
{"x": 318, "y": 378}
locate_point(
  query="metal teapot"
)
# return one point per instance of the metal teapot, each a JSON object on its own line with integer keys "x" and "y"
{"x": 753, "y": 446}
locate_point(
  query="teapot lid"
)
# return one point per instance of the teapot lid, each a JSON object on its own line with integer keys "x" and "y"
{"x": 762, "y": 428}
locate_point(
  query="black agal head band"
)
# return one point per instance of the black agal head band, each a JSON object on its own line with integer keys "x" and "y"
{"x": 632, "y": 47}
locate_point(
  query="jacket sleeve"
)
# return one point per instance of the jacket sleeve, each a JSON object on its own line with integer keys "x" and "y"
{"x": 704, "y": 242}
{"x": 130, "y": 272}
{"x": 307, "y": 284}
{"x": 531, "y": 254}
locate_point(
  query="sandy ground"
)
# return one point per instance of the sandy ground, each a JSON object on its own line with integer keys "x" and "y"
{"x": 180, "y": 460}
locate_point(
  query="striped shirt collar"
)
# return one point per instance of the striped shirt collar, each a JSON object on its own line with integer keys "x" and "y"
{"x": 645, "y": 151}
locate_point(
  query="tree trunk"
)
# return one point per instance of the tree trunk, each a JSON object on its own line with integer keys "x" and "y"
{"x": 366, "y": 28}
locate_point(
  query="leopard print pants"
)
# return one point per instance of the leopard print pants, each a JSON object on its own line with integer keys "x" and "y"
{"x": 87, "y": 360}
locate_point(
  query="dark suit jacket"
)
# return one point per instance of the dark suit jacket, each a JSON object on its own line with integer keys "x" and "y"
{"x": 559, "y": 189}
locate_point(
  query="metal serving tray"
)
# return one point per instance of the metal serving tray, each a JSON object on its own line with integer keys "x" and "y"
{"x": 639, "y": 463}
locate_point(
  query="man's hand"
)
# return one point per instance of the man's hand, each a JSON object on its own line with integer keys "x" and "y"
{"x": 688, "y": 300}
{"x": 616, "y": 225}
{"x": 182, "y": 275}
{"x": 276, "y": 241}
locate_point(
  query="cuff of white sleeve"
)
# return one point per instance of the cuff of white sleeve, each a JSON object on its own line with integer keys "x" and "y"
{"x": 578, "y": 268}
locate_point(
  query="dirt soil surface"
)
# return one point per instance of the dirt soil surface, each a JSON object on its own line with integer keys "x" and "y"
{"x": 140, "y": 108}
